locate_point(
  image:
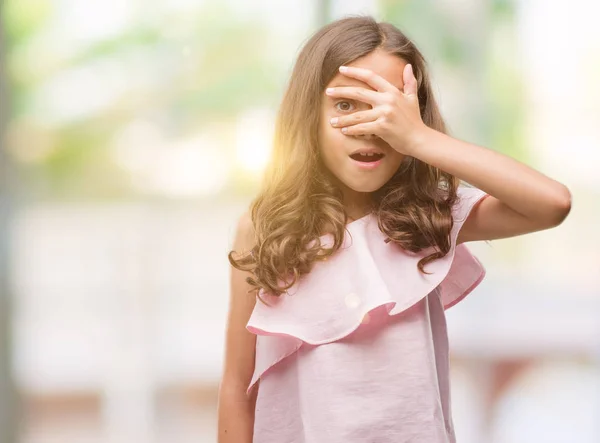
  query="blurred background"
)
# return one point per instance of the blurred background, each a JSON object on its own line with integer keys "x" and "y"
{"x": 133, "y": 135}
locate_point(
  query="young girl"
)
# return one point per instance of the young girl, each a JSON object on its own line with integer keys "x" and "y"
{"x": 354, "y": 249}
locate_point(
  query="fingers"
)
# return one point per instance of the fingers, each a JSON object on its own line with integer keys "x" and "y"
{"x": 410, "y": 82}
{"x": 361, "y": 129}
{"x": 369, "y": 77}
{"x": 355, "y": 118}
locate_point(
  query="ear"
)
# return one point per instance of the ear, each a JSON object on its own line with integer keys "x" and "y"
{"x": 410, "y": 82}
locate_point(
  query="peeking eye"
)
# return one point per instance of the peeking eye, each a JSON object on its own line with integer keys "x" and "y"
{"x": 347, "y": 106}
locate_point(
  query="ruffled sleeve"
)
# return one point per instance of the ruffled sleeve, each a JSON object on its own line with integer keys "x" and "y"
{"x": 466, "y": 271}
{"x": 366, "y": 273}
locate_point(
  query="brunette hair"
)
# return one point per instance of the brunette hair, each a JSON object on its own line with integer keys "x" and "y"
{"x": 298, "y": 198}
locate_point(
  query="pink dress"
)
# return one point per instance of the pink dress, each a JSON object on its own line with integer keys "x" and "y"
{"x": 358, "y": 349}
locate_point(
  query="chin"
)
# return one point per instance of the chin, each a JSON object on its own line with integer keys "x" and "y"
{"x": 364, "y": 187}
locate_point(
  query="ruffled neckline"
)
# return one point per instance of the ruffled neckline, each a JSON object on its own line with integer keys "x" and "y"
{"x": 365, "y": 274}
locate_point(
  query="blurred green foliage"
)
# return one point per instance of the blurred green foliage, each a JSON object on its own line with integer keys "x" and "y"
{"x": 201, "y": 70}
{"x": 213, "y": 69}
{"x": 22, "y": 18}
{"x": 496, "y": 119}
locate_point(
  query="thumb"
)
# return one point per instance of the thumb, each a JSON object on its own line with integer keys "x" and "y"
{"x": 410, "y": 82}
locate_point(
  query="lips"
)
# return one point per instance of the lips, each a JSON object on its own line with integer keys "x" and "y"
{"x": 366, "y": 158}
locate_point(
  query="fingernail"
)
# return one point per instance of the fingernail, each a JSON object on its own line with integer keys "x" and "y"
{"x": 333, "y": 121}
{"x": 343, "y": 69}
{"x": 344, "y": 130}
{"x": 329, "y": 91}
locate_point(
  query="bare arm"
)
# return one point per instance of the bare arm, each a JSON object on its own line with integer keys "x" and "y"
{"x": 235, "y": 408}
{"x": 521, "y": 200}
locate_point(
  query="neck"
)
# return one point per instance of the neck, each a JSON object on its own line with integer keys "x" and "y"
{"x": 357, "y": 204}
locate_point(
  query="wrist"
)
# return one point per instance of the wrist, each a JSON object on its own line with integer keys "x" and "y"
{"x": 419, "y": 138}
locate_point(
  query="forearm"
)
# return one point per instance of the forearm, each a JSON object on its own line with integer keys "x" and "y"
{"x": 523, "y": 189}
{"x": 235, "y": 416}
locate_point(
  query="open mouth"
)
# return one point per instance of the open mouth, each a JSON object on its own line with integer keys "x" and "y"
{"x": 367, "y": 158}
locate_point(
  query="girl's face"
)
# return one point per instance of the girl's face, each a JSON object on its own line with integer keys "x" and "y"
{"x": 356, "y": 180}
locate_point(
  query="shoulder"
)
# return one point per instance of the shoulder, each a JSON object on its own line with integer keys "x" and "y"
{"x": 244, "y": 223}
{"x": 244, "y": 231}
{"x": 467, "y": 200}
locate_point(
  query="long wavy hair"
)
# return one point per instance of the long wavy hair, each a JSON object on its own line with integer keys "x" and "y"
{"x": 299, "y": 199}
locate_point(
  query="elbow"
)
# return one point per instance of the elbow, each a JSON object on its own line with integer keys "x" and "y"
{"x": 560, "y": 206}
